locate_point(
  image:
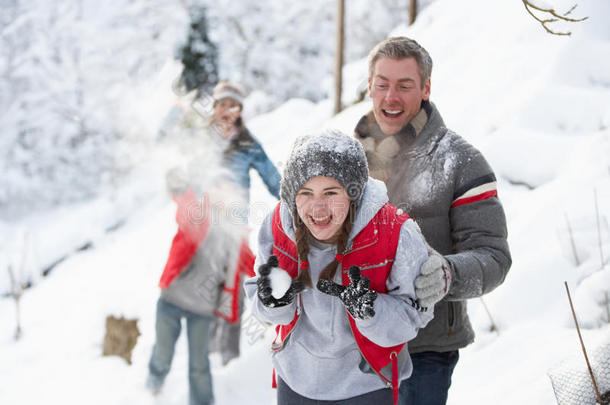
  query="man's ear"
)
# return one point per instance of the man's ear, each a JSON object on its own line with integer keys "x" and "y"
{"x": 426, "y": 92}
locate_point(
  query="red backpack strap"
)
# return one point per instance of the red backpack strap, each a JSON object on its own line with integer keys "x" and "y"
{"x": 284, "y": 247}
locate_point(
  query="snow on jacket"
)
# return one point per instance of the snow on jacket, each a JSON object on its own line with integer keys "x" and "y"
{"x": 447, "y": 186}
{"x": 320, "y": 359}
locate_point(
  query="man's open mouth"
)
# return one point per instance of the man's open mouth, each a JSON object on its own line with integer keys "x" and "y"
{"x": 392, "y": 113}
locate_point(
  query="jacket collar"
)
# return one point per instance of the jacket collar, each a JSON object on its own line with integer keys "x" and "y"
{"x": 417, "y": 132}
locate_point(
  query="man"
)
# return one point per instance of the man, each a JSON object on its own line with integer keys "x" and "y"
{"x": 446, "y": 185}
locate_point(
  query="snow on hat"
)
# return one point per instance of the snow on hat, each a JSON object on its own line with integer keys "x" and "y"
{"x": 227, "y": 89}
{"x": 329, "y": 154}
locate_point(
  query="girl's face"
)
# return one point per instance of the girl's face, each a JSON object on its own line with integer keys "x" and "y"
{"x": 322, "y": 204}
{"x": 226, "y": 112}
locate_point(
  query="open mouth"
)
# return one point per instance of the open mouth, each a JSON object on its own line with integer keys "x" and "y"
{"x": 392, "y": 113}
{"x": 321, "y": 221}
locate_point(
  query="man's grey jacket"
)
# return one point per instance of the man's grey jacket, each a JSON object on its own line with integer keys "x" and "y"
{"x": 447, "y": 186}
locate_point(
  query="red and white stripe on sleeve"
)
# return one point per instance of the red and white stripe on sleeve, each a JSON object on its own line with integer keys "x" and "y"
{"x": 479, "y": 189}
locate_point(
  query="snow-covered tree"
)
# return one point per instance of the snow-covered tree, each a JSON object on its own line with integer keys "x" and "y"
{"x": 199, "y": 55}
{"x": 65, "y": 68}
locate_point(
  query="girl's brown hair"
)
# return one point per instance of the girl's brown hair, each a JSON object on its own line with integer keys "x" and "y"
{"x": 302, "y": 236}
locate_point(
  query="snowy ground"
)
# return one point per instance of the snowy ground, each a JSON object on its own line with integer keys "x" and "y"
{"x": 538, "y": 106}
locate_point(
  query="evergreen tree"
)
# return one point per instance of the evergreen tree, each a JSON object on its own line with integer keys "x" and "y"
{"x": 199, "y": 55}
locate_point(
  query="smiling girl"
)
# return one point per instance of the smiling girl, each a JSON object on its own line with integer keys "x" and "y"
{"x": 343, "y": 324}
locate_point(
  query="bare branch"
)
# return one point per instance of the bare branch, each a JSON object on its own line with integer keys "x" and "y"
{"x": 493, "y": 324}
{"x": 582, "y": 344}
{"x": 573, "y": 243}
{"x": 553, "y": 14}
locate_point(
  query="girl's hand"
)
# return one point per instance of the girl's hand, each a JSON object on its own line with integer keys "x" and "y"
{"x": 264, "y": 290}
{"x": 357, "y": 297}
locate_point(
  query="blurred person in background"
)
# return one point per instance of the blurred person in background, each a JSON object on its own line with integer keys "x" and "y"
{"x": 201, "y": 281}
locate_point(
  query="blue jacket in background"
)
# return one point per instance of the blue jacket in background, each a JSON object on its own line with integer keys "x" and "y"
{"x": 245, "y": 152}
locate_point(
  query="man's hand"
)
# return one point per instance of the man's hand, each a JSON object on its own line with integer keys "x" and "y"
{"x": 434, "y": 280}
{"x": 264, "y": 290}
{"x": 357, "y": 297}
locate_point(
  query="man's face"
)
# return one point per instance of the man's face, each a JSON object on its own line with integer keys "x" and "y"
{"x": 396, "y": 90}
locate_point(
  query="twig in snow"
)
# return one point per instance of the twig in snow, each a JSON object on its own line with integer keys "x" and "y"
{"x": 16, "y": 292}
{"x": 607, "y": 306}
{"x": 599, "y": 398}
{"x": 493, "y": 324}
{"x": 599, "y": 231}
{"x": 572, "y": 242}
{"x": 553, "y": 16}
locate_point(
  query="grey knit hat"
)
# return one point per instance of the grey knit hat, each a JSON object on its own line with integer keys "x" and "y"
{"x": 329, "y": 154}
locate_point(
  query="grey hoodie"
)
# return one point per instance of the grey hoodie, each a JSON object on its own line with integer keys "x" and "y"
{"x": 321, "y": 360}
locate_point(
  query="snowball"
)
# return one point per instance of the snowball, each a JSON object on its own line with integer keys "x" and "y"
{"x": 280, "y": 282}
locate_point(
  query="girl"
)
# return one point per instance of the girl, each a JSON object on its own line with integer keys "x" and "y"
{"x": 242, "y": 152}
{"x": 350, "y": 308}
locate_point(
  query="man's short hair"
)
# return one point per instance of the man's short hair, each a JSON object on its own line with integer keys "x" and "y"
{"x": 401, "y": 48}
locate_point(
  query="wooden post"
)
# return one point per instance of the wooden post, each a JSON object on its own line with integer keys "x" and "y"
{"x": 339, "y": 55}
{"x": 412, "y": 11}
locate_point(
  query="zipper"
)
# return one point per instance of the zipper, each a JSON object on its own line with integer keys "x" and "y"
{"x": 360, "y": 248}
{"x": 374, "y": 266}
{"x": 451, "y": 317}
{"x": 348, "y": 252}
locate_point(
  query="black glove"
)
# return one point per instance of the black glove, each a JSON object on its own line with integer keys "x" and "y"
{"x": 357, "y": 297}
{"x": 264, "y": 286}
